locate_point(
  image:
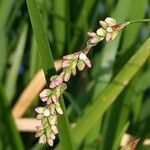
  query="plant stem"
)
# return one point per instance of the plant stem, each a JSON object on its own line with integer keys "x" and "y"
{"x": 140, "y": 20}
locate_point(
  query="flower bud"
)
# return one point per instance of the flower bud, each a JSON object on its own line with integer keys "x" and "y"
{"x": 74, "y": 71}
{"x": 67, "y": 75}
{"x": 50, "y": 142}
{"x": 49, "y": 101}
{"x": 65, "y": 63}
{"x": 46, "y": 112}
{"x": 52, "y": 119}
{"x": 108, "y": 37}
{"x": 52, "y": 109}
{"x": 88, "y": 62}
{"x": 39, "y": 110}
{"x": 103, "y": 24}
{"x": 91, "y": 34}
{"x": 110, "y": 29}
{"x": 42, "y": 139}
{"x": 44, "y": 94}
{"x": 71, "y": 56}
{"x": 39, "y": 116}
{"x": 101, "y": 32}
{"x": 82, "y": 56}
{"x": 54, "y": 98}
{"x": 110, "y": 21}
{"x": 53, "y": 136}
{"x": 80, "y": 65}
{"x": 54, "y": 129}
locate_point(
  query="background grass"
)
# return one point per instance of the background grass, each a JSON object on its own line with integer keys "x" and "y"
{"x": 103, "y": 103}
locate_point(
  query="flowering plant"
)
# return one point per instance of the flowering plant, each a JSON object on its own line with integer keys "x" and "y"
{"x": 48, "y": 114}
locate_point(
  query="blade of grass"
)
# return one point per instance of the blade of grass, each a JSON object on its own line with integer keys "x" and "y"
{"x": 12, "y": 133}
{"x": 34, "y": 58}
{"x": 137, "y": 11}
{"x": 108, "y": 96}
{"x": 48, "y": 66}
{"x": 41, "y": 39}
{"x": 103, "y": 67}
{"x": 10, "y": 85}
{"x": 3, "y": 53}
{"x": 59, "y": 28}
{"x": 5, "y": 8}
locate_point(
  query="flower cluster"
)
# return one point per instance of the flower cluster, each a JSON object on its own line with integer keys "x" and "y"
{"x": 48, "y": 114}
{"x": 109, "y": 30}
{"x": 70, "y": 63}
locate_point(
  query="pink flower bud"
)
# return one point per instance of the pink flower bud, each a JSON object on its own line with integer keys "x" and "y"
{"x": 93, "y": 40}
{"x": 58, "y": 109}
{"x": 91, "y": 34}
{"x": 45, "y": 93}
{"x": 39, "y": 110}
{"x": 110, "y": 21}
{"x": 110, "y": 29}
{"x": 101, "y": 32}
{"x": 49, "y": 101}
{"x": 42, "y": 139}
{"x": 88, "y": 63}
{"x": 65, "y": 63}
{"x": 67, "y": 75}
{"x": 68, "y": 56}
{"x": 52, "y": 85}
{"x": 52, "y": 109}
{"x": 50, "y": 142}
{"x": 108, "y": 37}
{"x": 80, "y": 65}
{"x": 53, "y": 136}
{"x": 54, "y": 129}
{"x": 103, "y": 24}
{"x": 39, "y": 116}
{"x": 74, "y": 71}
{"x": 46, "y": 112}
{"x": 54, "y": 98}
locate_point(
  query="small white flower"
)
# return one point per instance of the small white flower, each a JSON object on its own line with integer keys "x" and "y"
{"x": 46, "y": 112}
{"x": 82, "y": 56}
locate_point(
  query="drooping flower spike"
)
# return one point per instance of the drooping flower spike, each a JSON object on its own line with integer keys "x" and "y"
{"x": 48, "y": 114}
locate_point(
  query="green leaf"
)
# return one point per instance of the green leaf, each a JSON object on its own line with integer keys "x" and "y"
{"x": 41, "y": 38}
{"x": 16, "y": 63}
{"x": 95, "y": 111}
{"x": 48, "y": 66}
{"x": 12, "y": 133}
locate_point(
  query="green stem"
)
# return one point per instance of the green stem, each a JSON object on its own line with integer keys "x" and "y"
{"x": 140, "y": 20}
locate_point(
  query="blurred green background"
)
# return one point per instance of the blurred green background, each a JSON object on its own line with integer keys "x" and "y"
{"x": 98, "y": 127}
